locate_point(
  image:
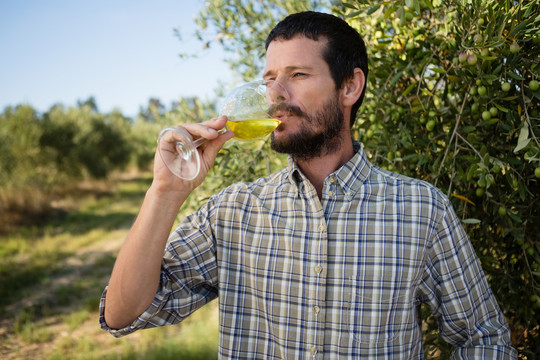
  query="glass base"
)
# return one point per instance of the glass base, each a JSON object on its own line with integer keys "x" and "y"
{"x": 178, "y": 153}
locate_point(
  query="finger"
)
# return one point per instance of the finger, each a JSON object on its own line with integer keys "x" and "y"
{"x": 208, "y": 129}
{"x": 217, "y": 122}
{"x": 168, "y": 137}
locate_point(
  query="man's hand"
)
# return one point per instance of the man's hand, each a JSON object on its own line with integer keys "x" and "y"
{"x": 165, "y": 180}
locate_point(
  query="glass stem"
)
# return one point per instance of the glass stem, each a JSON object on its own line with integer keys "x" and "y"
{"x": 198, "y": 142}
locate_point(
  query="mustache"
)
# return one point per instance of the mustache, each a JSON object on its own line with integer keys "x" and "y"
{"x": 285, "y": 108}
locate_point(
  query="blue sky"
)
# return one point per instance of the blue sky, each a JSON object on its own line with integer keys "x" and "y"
{"x": 121, "y": 52}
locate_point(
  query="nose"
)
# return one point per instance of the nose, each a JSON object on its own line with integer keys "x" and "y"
{"x": 276, "y": 92}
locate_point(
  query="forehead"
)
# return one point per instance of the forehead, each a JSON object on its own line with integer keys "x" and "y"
{"x": 298, "y": 52}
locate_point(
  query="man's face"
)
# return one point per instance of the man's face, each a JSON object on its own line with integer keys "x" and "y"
{"x": 311, "y": 113}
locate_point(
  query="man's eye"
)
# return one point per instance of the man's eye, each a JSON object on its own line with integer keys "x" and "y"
{"x": 299, "y": 75}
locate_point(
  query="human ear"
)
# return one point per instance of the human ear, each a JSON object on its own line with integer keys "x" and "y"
{"x": 353, "y": 87}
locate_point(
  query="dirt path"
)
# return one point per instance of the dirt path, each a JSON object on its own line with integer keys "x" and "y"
{"x": 85, "y": 261}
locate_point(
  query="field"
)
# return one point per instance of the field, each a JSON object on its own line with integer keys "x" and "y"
{"x": 52, "y": 275}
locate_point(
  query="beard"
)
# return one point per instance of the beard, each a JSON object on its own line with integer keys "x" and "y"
{"x": 307, "y": 144}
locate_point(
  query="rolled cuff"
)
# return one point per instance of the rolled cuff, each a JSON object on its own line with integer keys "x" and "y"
{"x": 143, "y": 321}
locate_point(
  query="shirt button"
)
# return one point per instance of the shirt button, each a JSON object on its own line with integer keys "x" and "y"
{"x": 321, "y": 228}
{"x": 349, "y": 193}
{"x": 331, "y": 179}
{"x": 330, "y": 193}
{"x": 318, "y": 269}
{"x": 313, "y": 350}
{"x": 316, "y": 309}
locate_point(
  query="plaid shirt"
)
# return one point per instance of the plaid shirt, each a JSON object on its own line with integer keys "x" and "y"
{"x": 341, "y": 277}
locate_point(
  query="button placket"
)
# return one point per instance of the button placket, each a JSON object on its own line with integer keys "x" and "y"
{"x": 331, "y": 182}
{"x": 315, "y": 303}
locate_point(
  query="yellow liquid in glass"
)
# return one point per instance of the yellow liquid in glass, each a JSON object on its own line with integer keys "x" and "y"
{"x": 252, "y": 129}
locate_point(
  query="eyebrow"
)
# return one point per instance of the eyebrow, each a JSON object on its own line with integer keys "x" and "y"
{"x": 289, "y": 69}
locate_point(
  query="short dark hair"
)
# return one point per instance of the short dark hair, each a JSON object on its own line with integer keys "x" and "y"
{"x": 345, "y": 50}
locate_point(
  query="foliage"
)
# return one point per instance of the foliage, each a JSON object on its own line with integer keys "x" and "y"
{"x": 21, "y": 121}
{"x": 438, "y": 75}
{"x": 22, "y": 165}
{"x": 42, "y": 155}
{"x": 241, "y": 26}
{"x": 83, "y": 140}
{"x": 438, "y": 108}
{"x": 61, "y": 143}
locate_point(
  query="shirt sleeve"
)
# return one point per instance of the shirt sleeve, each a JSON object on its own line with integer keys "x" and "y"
{"x": 188, "y": 277}
{"x": 459, "y": 296}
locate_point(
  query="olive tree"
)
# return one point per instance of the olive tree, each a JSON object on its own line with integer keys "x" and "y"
{"x": 454, "y": 100}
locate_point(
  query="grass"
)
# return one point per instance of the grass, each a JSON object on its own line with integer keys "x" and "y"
{"x": 52, "y": 276}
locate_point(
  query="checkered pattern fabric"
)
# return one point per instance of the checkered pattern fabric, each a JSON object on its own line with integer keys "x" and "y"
{"x": 341, "y": 277}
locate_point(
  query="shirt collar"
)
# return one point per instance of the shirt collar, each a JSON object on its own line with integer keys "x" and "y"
{"x": 355, "y": 172}
{"x": 350, "y": 176}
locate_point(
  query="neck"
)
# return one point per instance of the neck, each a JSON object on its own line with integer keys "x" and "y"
{"x": 318, "y": 168}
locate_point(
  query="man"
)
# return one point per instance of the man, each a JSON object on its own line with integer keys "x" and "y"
{"x": 328, "y": 258}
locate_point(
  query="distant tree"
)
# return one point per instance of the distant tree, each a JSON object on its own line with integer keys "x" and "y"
{"x": 153, "y": 111}
{"x": 103, "y": 149}
{"x": 82, "y": 142}
{"x": 90, "y": 102}
{"x": 19, "y": 143}
{"x": 58, "y": 142}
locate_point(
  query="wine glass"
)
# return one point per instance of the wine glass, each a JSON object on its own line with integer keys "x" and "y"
{"x": 247, "y": 108}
